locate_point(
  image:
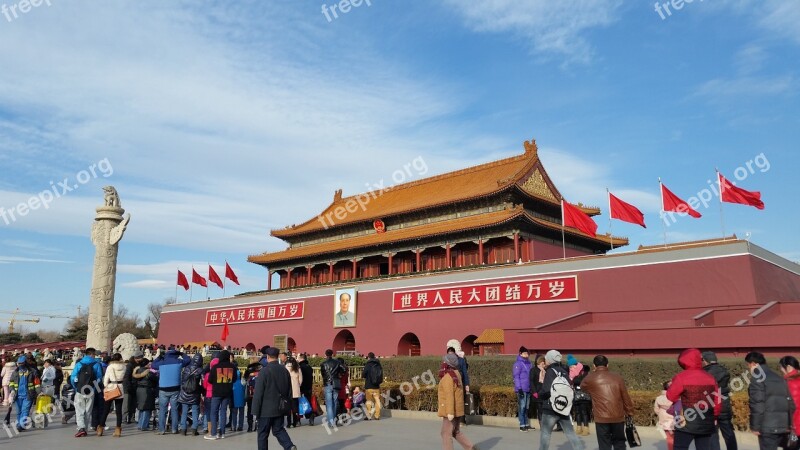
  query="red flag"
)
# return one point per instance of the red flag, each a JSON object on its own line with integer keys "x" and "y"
{"x": 213, "y": 277}
{"x": 225, "y": 332}
{"x": 182, "y": 281}
{"x": 574, "y": 217}
{"x": 229, "y": 274}
{"x": 671, "y": 202}
{"x": 625, "y": 211}
{"x": 732, "y": 194}
{"x": 197, "y": 279}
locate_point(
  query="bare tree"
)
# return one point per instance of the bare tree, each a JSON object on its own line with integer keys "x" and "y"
{"x": 153, "y": 319}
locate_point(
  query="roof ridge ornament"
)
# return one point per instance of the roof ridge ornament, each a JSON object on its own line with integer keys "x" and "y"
{"x": 530, "y": 147}
{"x": 337, "y": 196}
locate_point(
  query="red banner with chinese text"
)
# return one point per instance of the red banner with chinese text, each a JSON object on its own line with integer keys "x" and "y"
{"x": 515, "y": 292}
{"x": 263, "y": 312}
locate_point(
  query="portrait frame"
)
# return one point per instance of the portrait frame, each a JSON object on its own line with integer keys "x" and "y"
{"x": 352, "y": 307}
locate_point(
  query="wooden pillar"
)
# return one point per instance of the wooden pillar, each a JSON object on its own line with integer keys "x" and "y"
{"x": 447, "y": 255}
{"x": 269, "y": 280}
{"x": 355, "y": 269}
{"x": 480, "y": 251}
{"x": 419, "y": 258}
{"x": 308, "y": 275}
{"x": 330, "y": 272}
{"x": 289, "y": 277}
{"x": 391, "y": 255}
{"x": 530, "y": 250}
{"x": 516, "y": 247}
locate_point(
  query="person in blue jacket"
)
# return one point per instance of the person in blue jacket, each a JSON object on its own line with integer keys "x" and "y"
{"x": 169, "y": 386}
{"x": 86, "y": 383}
{"x": 237, "y": 419}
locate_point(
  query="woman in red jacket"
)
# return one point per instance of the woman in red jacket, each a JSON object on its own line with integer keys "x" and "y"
{"x": 791, "y": 372}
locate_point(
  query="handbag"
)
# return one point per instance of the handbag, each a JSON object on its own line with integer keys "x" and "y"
{"x": 304, "y": 407}
{"x": 469, "y": 404}
{"x": 113, "y": 393}
{"x": 631, "y": 434}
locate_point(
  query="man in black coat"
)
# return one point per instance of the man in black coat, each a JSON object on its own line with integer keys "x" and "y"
{"x": 271, "y": 401}
{"x": 771, "y": 406}
{"x": 724, "y": 421}
{"x": 307, "y": 385}
{"x": 373, "y": 376}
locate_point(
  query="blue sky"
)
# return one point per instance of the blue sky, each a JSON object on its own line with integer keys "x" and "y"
{"x": 218, "y": 122}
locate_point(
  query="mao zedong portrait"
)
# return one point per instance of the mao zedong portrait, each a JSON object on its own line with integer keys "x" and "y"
{"x": 345, "y": 315}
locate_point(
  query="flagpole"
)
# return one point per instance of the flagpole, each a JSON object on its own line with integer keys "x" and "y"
{"x": 563, "y": 239}
{"x": 610, "y": 236}
{"x": 223, "y": 280}
{"x": 191, "y": 286}
{"x": 209, "y": 276}
{"x": 663, "y": 213}
{"x": 721, "y": 213}
{"x": 176, "y": 288}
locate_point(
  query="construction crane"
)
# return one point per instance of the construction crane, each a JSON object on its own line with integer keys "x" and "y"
{"x": 34, "y": 319}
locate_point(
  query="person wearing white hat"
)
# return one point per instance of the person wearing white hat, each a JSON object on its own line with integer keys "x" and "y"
{"x": 556, "y": 376}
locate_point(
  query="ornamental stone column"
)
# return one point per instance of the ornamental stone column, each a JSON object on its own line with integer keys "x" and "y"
{"x": 107, "y": 230}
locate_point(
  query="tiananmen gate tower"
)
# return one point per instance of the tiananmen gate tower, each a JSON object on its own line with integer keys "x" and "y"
{"x": 477, "y": 255}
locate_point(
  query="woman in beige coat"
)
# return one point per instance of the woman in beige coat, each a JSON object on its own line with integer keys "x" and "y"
{"x": 451, "y": 404}
{"x": 114, "y": 377}
{"x": 293, "y": 417}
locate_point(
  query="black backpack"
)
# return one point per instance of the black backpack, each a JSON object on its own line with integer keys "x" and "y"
{"x": 86, "y": 376}
{"x": 191, "y": 383}
{"x": 375, "y": 375}
{"x": 251, "y": 383}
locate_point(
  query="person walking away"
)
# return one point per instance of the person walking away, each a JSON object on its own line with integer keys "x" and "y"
{"x": 169, "y": 385}
{"x": 24, "y": 383}
{"x": 451, "y": 404}
{"x": 146, "y": 393}
{"x": 611, "y": 404}
{"x": 557, "y": 395}
{"x": 85, "y": 378}
{"x": 250, "y": 374}
{"x": 582, "y": 403}
{"x": 8, "y": 368}
{"x": 373, "y": 377}
{"x": 238, "y": 403}
{"x": 306, "y": 386}
{"x": 666, "y": 421}
{"x": 208, "y": 394}
{"x": 771, "y": 405}
{"x": 98, "y": 406}
{"x": 791, "y": 373}
{"x": 522, "y": 386}
{"x": 271, "y": 402}
{"x": 725, "y": 419}
{"x": 114, "y": 378}
{"x": 221, "y": 378}
{"x": 293, "y": 417}
{"x": 130, "y": 389}
{"x": 331, "y": 372}
{"x": 189, "y": 397}
{"x": 700, "y": 405}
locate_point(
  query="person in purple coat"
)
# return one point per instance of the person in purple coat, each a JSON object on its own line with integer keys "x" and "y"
{"x": 522, "y": 384}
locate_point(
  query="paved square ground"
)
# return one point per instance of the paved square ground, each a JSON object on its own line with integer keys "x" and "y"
{"x": 386, "y": 434}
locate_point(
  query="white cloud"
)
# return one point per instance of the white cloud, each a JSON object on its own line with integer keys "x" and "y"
{"x": 722, "y": 88}
{"x": 551, "y": 27}
{"x": 21, "y": 259}
{"x": 147, "y": 284}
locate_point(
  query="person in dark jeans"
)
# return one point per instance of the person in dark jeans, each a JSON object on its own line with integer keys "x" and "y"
{"x": 582, "y": 404}
{"x": 271, "y": 398}
{"x": 611, "y": 404}
{"x": 724, "y": 422}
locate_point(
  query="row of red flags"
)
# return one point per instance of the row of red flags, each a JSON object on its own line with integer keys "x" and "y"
{"x": 575, "y": 218}
{"x": 212, "y": 277}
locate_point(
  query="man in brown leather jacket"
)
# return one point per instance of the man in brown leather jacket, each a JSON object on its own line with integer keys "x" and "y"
{"x": 610, "y": 404}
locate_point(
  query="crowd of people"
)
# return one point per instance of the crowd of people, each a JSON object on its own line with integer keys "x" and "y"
{"x": 177, "y": 393}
